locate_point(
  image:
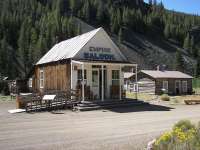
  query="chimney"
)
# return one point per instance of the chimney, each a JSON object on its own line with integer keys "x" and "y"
{"x": 161, "y": 67}
{"x": 158, "y": 68}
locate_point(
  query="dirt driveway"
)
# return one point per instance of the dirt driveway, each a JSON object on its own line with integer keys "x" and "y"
{"x": 127, "y": 128}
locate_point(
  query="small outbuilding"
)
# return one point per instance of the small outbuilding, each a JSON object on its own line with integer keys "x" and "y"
{"x": 171, "y": 82}
{"x": 90, "y": 63}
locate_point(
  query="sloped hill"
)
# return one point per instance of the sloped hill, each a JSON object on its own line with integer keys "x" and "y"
{"x": 146, "y": 51}
{"x": 150, "y": 34}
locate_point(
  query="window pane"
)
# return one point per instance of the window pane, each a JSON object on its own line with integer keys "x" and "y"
{"x": 80, "y": 74}
{"x": 95, "y": 78}
{"x": 30, "y": 82}
{"x": 41, "y": 78}
{"x": 115, "y": 82}
{"x": 165, "y": 85}
{"x": 184, "y": 86}
{"x": 115, "y": 74}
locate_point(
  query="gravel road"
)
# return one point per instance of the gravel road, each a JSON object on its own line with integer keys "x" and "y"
{"x": 114, "y": 129}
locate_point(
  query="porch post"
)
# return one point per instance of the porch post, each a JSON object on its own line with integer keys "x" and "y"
{"x": 71, "y": 75}
{"x": 83, "y": 88}
{"x": 102, "y": 83}
{"x": 120, "y": 88}
{"x": 136, "y": 80}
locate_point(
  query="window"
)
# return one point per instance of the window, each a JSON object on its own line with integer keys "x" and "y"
{"x": 41, "y": 78}
{"x": 184, "y": 86}
{"x": 30, "y": 83}
{"x": 95, "y": 80}
{"x": 80, "y": 75}
{"x": 165, "y": 86}
{"x": 115, "y": 77}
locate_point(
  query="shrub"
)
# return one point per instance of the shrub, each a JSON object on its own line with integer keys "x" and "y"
{"x": 4, "y": 89}
{"x": 165, "y": 97}
{"x": 183, "y": 136}
{"x": 184, "y": 125}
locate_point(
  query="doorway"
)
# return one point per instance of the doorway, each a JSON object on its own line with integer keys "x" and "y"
{"x": 104, "y": 84}
{"x": 178, "y": 87}
{"x": 95, "y": 83}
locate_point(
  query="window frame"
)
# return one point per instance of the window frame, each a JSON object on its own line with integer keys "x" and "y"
{"x": 42, "y": 78}
{"x": 115, "y": 77}
{"x": 165, "y": 82}
{"x": 184, "y": 89}
{"x": 95, "y": 84}
{"x": 85, "y": 74}
{"x": 30, "y": 82}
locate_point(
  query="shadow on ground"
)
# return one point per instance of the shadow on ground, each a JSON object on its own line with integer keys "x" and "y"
{"x": 140, "y": 108}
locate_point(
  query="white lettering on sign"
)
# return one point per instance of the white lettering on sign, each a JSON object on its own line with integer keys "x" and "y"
{"x": 100, "y": 49}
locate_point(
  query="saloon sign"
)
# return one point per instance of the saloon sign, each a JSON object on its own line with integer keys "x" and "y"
{"x": 99, "y": 53}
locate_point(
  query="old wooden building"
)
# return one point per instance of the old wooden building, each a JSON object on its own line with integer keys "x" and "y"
{"x": 91, "y": 63}
{"x": 171, "y": 82}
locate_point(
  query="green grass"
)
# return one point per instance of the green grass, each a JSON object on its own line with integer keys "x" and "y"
{"x": 5, "y": 98}
{"x": 196, "y": 83}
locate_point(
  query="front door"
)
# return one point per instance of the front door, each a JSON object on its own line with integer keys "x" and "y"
{"x": 178, "y": 87}
{"x": 95, "y": 83}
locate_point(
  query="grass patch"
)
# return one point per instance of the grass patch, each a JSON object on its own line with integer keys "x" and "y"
{"x": 196, "y": 83}
{"x": 141, "y": 96}
{"x": 174, "y": 100}
{"x": 165, "y": 97}
{"x": 196, "y": 90}
{"x": 6, "y": 98}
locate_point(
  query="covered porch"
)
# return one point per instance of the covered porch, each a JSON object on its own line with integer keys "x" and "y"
{"x": 98, "y": 80}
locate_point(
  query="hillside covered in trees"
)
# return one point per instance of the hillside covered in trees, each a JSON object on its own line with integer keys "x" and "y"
{"x": 29, "y": 28}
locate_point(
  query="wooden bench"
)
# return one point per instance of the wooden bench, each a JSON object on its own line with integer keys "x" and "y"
{"x": 192, "y": 102}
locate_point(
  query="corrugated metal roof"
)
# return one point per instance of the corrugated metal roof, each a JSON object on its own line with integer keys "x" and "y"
{"x": 166, "y": 74}
{"x": 67, "y": 49}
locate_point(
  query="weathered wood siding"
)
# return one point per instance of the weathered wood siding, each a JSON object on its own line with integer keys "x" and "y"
{"x": 56, "y": 77}
{"x": 171, "y": 86}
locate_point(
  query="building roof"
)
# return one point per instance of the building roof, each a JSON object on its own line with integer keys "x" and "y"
{"x": 166, "y": 74}
{"x": 128, "y": 75}
{"x": 68, "y": 48}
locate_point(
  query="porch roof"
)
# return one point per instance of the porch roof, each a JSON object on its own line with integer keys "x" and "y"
{"x": 82, "y": 62}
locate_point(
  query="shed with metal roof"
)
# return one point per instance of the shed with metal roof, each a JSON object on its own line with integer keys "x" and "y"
{"x": 171, "y": 82}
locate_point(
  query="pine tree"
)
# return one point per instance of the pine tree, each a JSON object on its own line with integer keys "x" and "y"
{"x": 41, "y": 46}
{"x": 125, "y": 16}
{"x": 3, "y": 56}
{"x": 167, "y": 31}
{"x": 74, "y": 4}
{"x": 187, "y": 43}
{"x": 23, "y": 44}
{"x": 119, "y": 18}
{"x": 33, "y": 41}
{"x": 192, "y": 49}
{"x": 115, "y": 25}
{"x": 198, "y": 67}
{"x": 86, "y": 10}
{"x": 179, "y": 65}
{"x": 120, "y": 35}
{"x": 79, "y": 31}
{"x": 100, "y": 12}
